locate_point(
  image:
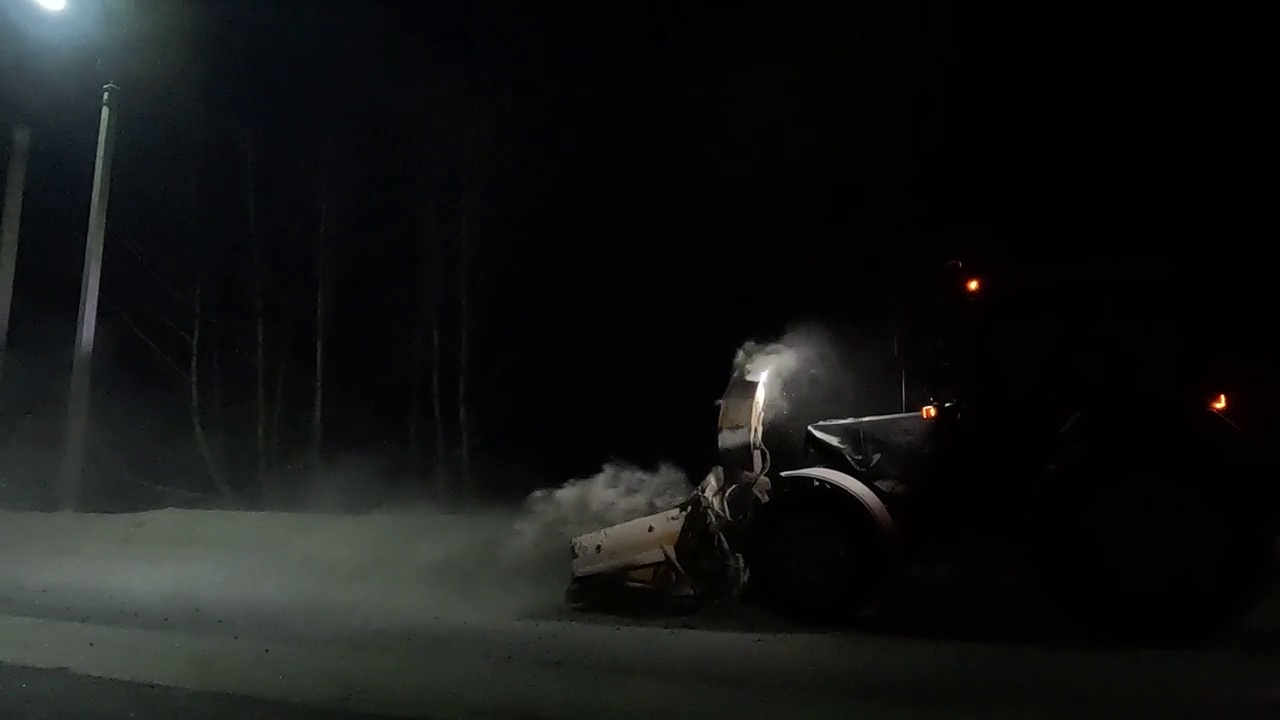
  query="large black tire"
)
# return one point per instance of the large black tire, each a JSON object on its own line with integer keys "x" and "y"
{"x": 815, "y": 561}
{"x": 1150, "y": 550}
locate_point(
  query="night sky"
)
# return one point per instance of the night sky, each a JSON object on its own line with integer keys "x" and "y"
{"x": 642, "y": 185}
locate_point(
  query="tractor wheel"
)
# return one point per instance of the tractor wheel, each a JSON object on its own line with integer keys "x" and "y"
{"x": 1153, "y": 555}
{"x": 816, "y": 563}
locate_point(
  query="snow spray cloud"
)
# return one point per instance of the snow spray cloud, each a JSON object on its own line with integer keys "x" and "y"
{"x": 795, "y": 365}
{"x": 809, "y": 375}
{"x": 616, "y": 494}
{"x": 501, "y": 562}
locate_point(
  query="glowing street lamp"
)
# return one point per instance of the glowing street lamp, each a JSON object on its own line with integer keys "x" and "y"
{"x": 52, "y": 5}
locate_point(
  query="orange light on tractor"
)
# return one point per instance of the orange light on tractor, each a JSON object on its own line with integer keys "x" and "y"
{"x": 1219, "y": 403}
{"x": 929, "y": 412}
{"x": 972, "y": 285}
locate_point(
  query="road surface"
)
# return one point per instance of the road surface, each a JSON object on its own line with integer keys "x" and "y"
{"x": 334, "y": 612}
{"x": 34, "y": 694}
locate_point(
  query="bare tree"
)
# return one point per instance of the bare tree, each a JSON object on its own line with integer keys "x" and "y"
{"x": 216, "y": 409}
{"x": 464, "y": 347}
{"x": 449, "y": 281}
{"x": 469, "y": 262}
{"x": 423, "y": 324}
{"x": 191, "y": 375}
{"x": 275, "y": 439}
{"x": 197, "y": 413}
{"x": 437, "y": 364}
{"x": 193, "y": 339}
{"x": 416, "y": 364}
{"x": 317, "y": 398}
{"x": 259, "y": 314}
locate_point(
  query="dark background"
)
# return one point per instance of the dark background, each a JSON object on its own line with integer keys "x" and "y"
{"x": 637, "y": 188}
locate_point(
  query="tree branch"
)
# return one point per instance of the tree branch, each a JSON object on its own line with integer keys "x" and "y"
{"x": 155, "y": 276}
{"x": 174, "y": 326}
{"x": 159, "y": 353}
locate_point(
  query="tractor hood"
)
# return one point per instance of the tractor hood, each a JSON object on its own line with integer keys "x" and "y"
{"x": 876, "y": 445}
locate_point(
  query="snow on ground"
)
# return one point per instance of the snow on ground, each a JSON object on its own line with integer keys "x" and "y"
{"x": 375, "y": 570}
{"x": 426, "y": 613}
{"x": 372, "y": 569}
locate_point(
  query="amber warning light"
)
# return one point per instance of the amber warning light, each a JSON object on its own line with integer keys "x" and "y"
{"x": 928, "y": 412}
{"x": 1219, "y": 403}
{"x": 972, "y": 285}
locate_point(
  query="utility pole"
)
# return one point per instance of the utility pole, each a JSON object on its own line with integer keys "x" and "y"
{"x": 72, "y": 468}
{"x": 13, "y": 190}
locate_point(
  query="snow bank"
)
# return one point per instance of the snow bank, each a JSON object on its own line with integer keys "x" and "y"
{"x": 373, "y": 568}
{"x": 377, "y": 569}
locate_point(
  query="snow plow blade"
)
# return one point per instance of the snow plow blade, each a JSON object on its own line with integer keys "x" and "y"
{"x": 678, "y": 559}
{"x": 682, "y": 556}
{"x": 633, "y": 563}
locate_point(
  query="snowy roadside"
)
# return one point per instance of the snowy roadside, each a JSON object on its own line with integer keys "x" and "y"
{"x": 379, "y": 569}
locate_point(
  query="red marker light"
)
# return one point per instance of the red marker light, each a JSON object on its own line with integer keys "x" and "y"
{"x": 1219, "y": 403}
{"x": 973, "y": 285}
{"x": 928, "y": 412}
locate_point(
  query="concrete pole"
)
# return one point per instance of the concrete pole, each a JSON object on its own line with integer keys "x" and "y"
{"x": 14, "y": 187}
{"x": 69, "y": 476}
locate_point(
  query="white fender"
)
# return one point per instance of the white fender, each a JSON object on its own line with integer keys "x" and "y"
{"x": 858, "y": 490}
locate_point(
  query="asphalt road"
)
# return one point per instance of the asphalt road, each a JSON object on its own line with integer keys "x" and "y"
{"x": 33, "y": 694}
{"x": 563, "y": 671}
{"x": 186, "y": 615}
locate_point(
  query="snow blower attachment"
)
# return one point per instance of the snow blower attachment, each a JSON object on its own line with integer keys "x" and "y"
{"x": 685, "y": 556}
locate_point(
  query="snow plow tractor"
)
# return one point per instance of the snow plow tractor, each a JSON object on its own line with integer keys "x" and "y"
{"x": 1135, "y": 505}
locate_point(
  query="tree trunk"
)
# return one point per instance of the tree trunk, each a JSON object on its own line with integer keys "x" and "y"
{"x": 415, "y": 400}
{"x": 440, "y": 464}
{"x": 259, "y": 323}
{"x": 464, "y": 350}
{"x": 418, "y": 359}
{"x": 197, "y": 417}
{"x": 317, "y": 399}
{"x": 277, "y": 406}
{"x": 219, "y": 439}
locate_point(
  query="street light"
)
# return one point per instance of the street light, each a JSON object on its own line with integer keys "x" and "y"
{"x": 53, "y": 5}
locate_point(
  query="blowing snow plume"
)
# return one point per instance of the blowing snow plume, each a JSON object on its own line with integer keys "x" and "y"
{"x": 616, "y": 494}
{"x": 808, "y": 376}
{"x": 803, "y": 363}
{"x": 513, "y": 562}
